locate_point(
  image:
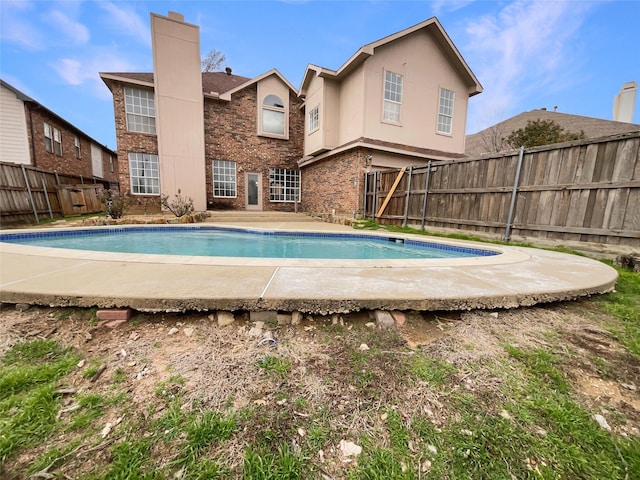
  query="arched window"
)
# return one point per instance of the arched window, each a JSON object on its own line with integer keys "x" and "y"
{"x": 273, "y": 115}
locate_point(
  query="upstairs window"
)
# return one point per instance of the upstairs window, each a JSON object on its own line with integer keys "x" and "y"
{"x": 48, "y": 137}
{"x": 76, "y": 144}
{"x": 57, "y": 141}
{"x": 141, "y": 110}
{"x": 314, "y": 120}
{"x": 392, "y": 96}
{"x": 273, "y": 115}
{"x": 224, "y": 179}
{"x": 145, "y": 176}
{"x": 284, "y": 185}
{"x": 445, "y": 111}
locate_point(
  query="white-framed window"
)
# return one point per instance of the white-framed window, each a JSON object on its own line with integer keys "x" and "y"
{"x": 445, "y": 111}
{"x": 224, "y": 179}
{"x": 273, "y": 112}
{"x": 141, "y": 110}
{"x": 76, "y": 145}
{"x": 392, "y": 96}
{"x": 284, "y": 185}
{"x": 144, "y": 173}
{"x": 111, "y": 167}
{"x": 48, "y": 137}
{"x": 314, "y": 119}
{"x": 57, "y": 141}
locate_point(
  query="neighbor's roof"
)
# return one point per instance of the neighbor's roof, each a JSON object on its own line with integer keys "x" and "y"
{"x": 214, "y": 84}
{"x": 476, "y": 144}
{"x": 431, "y": 25}
{"x": 27, "y": 99}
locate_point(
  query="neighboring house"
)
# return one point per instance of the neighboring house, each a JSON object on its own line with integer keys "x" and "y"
{"x": 493, "y": 139}
{"x": 31, "y": 134}
{"x": 401, "y": 100}
{"x": 233, "y": 143}
{"x": 239, "y": 143}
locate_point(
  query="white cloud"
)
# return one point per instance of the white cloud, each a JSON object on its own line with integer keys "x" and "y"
{"x": 85, "y": 71}
{"x": 76, "y": 31}
{"x": 524, "y": 48}
{"x": 440, "y": 6}
{"x": 127, "y": 22}
{"x": 14, "y": 28}
{"x": 71, "y": 71}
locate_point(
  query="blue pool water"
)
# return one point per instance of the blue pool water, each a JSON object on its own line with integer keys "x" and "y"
{"x": 220, "y": 242}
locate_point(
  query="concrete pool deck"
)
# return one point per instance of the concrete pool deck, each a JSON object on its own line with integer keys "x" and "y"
{"x": 517, "y": 277}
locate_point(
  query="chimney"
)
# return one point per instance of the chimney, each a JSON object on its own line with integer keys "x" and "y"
{"x": 624, "y": 103}
{"x": 228, "y": 70}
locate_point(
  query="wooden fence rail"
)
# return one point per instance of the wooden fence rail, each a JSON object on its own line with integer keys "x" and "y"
{"x": 28, "y": 194}
{"x": 587, "y": 190}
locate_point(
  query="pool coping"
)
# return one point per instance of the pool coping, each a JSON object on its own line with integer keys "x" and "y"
{"x": 517, "y": 276}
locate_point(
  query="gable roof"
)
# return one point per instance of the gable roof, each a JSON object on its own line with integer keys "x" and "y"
{"x": 214, "y": 84}
{"x": 431, "y": 25}
{"x": 476, "y": 144}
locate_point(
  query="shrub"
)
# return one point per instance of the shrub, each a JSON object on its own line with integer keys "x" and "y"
{"x": 178, "y": 205}
{"x": 114, "y": 204}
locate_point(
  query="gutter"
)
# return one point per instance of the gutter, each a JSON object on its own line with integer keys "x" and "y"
{"x": 33, "y": 145}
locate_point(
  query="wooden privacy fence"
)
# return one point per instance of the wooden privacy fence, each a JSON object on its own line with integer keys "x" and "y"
{"x": 586, "y": 190}
{"x": 28, "y": 194}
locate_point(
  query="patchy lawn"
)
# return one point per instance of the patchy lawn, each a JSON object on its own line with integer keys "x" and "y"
{"x": 544, "y": 392}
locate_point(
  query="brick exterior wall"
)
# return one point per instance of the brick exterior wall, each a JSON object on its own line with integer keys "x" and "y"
{"x": 135, "y": 143}
{"x": 67, "y": 163}
{"x": 231, "y": 134}
{"x": 335, "y": 183}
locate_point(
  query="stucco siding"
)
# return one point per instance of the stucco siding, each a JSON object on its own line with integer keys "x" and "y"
{"x": 425, "y": 69}
{"x": 179, "y": 108}
{"x": 314, "y": 141}
{"x": 352, "y": 106}
{"x": 14, "y": 141}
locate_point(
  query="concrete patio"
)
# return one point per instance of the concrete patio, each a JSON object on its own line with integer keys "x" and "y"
{"x": 518, "y": 277}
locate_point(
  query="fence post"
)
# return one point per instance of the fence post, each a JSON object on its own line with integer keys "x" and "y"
{"x": 366, "y": 191}
{"x": 26, "y": 182}
{"x": 46, "y": 196}
{"x": 426, "y": 193}
{"x": 374, "y": 203}
{"x": 514, "y": 193}
{"x": 406, "y": 197}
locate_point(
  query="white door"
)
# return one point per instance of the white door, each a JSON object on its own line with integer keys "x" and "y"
{"x": 253, "y": 195}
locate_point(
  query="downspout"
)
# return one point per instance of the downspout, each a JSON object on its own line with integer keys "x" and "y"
{"x": 33, "y": 144}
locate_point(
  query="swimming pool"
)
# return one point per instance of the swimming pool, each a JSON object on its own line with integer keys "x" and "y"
{"x": 513, "y": 277}
{"x": 226, "y": 242}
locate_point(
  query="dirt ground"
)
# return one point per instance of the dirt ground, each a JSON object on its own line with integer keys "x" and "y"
{"x": 218, "y": 363}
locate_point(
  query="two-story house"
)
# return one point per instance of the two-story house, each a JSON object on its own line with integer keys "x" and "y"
{"x": 234, "y": 142}
{"x": 399, "y": 101}
{"x": 226, "y": 141}
{"x": 31, "y": 134}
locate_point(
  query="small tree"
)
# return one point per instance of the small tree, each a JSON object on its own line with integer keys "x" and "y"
{"x": 493, "y": 139}
{"x": 114, "y": 204}
{"x": 541, "y": 132}
{"x": 213, "y": 61}
{"x": 179, "y": 205}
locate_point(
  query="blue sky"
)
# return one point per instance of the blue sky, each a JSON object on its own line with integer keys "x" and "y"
{"x": 527, "y": 54}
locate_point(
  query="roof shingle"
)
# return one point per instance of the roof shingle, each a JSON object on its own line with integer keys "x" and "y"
{"x": 480, "y": 143}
